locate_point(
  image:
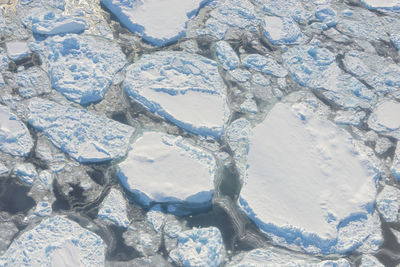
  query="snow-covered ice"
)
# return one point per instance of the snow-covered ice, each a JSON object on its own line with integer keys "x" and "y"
{"x": 85, "y": 136}
{"x": 382, "y": 145}
{"x": 7, "y": 232}
{"x": 17, "y": 50}
{"x": 309, "y": 203}
{"x": 382, "y": 5}
{"x": 265, "y": 64}
{"x": 3, "y": 169}
{"x": 370, "y": 261}
{"x": 327, "y": 15}
{"x": 167, "y": 169}
{"x": 199, "y": 247}
{"x": 385, "y": 118}
{"x": 43, "y": 209}
{"x": 33, "y": 82}
{"x": 113, "y": 209}
{"x": 185, "y": 89}
{"x": 226, "y": 55}
{"x": 158, "y": 22}
{"x": 349, "y": 117}
{"x": 281, "y": 31}
{"x": 56, "y": 241}
{"x": 81, "y": 67}
{"x": 288, "y": 8}
{"x": 26, "y": 172}
{"x": 396, "y": 163}
{"x": 388, "y": 203}
{"x": 15, "y": 138}
{"x": 53, "y": 24}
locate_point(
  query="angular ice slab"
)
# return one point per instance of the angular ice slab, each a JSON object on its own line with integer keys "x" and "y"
{"x": 81, "y": 67}
{"x": 185, "y": 89}
{"x": 15, "y": 138}
{"x": 329, "y": 185}
{"x": 388, "y": 203}
{"x": 199, "y": 247}
{"x": 162, "y": 168}
{"x": 17, "y": 50}
{"x": 114, "y": 209}
{"x": 280, "y": 31}
{"x": 26, "y": 172}
{"x": 85, "y": 136}
{"x": 54, "y": 24}
{"x": 382, "y": 5}
{"x": 385, "y": 118}
{"x": 158, "y": 22}
{"x": 226, "y": 56}
{"x": 33, "y": 82}
{"x": 264, "y": 64}
{"x": 370, "y": 261}
{"x": 56, "y": 241}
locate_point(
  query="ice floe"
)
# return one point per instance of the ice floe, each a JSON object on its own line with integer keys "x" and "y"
{"x": 84, "y": 136}
{"x": 226, "y": 56}
{"x": 33, "y": 82}
{"x": 150, "y": 173}
{"x": 385, "y": 118}
{"x": 385, "y": 5}
{"x": 388, "y": 203}
{"x": 321, "y": 209}
{"x": 264, "y": 64}
{"x": 370, "y": 261}
{"x": 26, "y": 172}
{"x": 15, "y": 138}
{"x": 281, "y": 31}
{"x": 51, "y": 23}
{"x": 185, "y": 89}
{"x": 81, "y": 67}
{"x": 114, "y": 209}
{"x": 55, "y": 241}
{"x": 396, "y": 163}
{"x": 17, "y": 50}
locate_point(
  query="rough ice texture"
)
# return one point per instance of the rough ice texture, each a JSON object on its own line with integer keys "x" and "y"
{"x": 385, "y": 118}
{"x": 85, "y": 136}
{"x": 349, "y": 117}
{"x": 15, "y": 138}
{"x": 388, "y": 203}
{"x": 327, "y": 15}
{"x": 281, "y": 31}
{"x": 81, "y": 67}
{"x": 114, "y": 209}
{"x": 319, "y": 207}
{"x": 199, "y": 247}
{"x": 264, "y": 64}
{"x": 167, "y": 169}
{"x": 226, "y": 56}
{"x": 288, "y": 8}
{"x": 185, "y": 89}
{"x": 56, "y": 241}
{"x": 370, "y": 261}
{"x": 43, "y": 209}
{"x": 17, "y": 50}
{"x": 52, "y": 23}
{"x": 26, "y": 172}
{"x": 396, "y": 163}
{"x": 3, "y": 169}
{"x": 382, "y": 5}
{"x": 33, "y": 82}
{"x": 271, "y": 257}
{"x": 158, "y": 22}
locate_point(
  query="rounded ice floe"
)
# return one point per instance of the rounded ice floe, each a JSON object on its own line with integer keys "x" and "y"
{"x": 81, "y": 67}
{"x": 14, "y": 136}
{"x": 17, "y": 50}
{"x": 226, "y": 56}
{"x": 280, "y": 31}
{"x": 56, "y": 241}
{"x": 264, "y": 64}
{"x": 26, "y": 172}
{"x": 199, "y": 247}
{"x": 158, "y": 22}
{"x": 85, "y": 136}
{"x": 114, "y": 209}
{"x": 385, "y": 118}
{"x": 382, "y": 5}
{"x": 388, "y": 203}
{"x": 161, "y": 168}
{"x": 326, "y": 14}
{"x": 306, "y": 182}
{"x": 185, "y": 89}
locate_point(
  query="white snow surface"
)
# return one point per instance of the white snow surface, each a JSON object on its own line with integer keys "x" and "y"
{"x": 280, "y": 31}
{"x": 17, "y": 50}
{"x": 388, "y": 203}
{"x": 158, "y": 22}
{"x": 383, "y": 5}
{"x": 370, "y": 261}
{"x": 26, "y": 172}
{"x": 56, "y": 241}
{"x": 308, "y": 203}
{"x": 167, "y": 169}
{"x": 15, "y": 138}
{"x": 385, "y": 118}
{"x": 186, "y": 89}
{"x": 85, "y": 136}
{"x": 113, "y": 209}
{"x": 226, "y": 55}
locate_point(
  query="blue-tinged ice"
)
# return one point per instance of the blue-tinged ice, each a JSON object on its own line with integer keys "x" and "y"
{"x": 226, "y": 56}
{"x": 183, "y": 88}
{"x": 60, "y": 4}
{"x": 44, "y": 181}
{"x": 3, "y": 169}
{"x": 385, "y": 118}
{"x": 264, "y": 64}
{"x": 166, "y": 169}
{"x": 43, "y": 209}
{"x": 388, "y": 203}
{"x": 349, "y": 117}
{"x": 370, "y": 261}
{"x": 287, "y": 9}
{"x": 84, "y": 136}
{"x": 17, "y": 50}
{"x": 386, "y": 5}
{"x": 395, "y": 39}
{"x": 396, "y": 163}
{"x": 327, "y": 15}
{"x": 282, "y": 31}
{"x": 158, "y": 22}
{"x": 113, "y": 209}
{"x": 56, "y": 241}
{"x": 81, "y": 67}
{"x": 15, "y": 138}
{"x": 26, "y": 172}
{"x": 33, "y": 82}
{"x": 199, "y": 247}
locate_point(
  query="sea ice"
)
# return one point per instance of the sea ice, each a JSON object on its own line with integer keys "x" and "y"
{"x": 382, "y": 5}
{"x": 162, "y": 168}
{"x": 199, "y": 247}
{"x": 81, "y": 67}
{"x": 15, "y": 138}
{"x": 26, "y": 172}
{"x": 264, "y": 64}
{"x": 17, "y": 50}
{"x": 226, "y": 56}
{"x": 388, "y": 203}
{"x": 281, "y": 31}
{"x": 321, "y": 209}
{"x": 185, "y": 89}
{"x": 385, "y": 118}
{"x": 85, "y": 136}
{"x": 326, "y": 14}
{"x": 288, "y": 8}
{"x": 56, "y": 241}
{"x": 43, "y": 209}
{"x": 52, "y": 23}
{"x": 396, "y": 163}
{"x": 349, "y": 117}
{"x": 3, "y": 169}
{"x": 370, "y": 261}
{"x": 382, "y": 145}
{"x": 114, "y": 209}
{"x": 7, "y": 233}
{"x": 158, "y": 22}
{"x": 33, "y": 82}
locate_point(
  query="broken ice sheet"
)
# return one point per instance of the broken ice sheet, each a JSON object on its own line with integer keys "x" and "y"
{"x": 113, "y": 209}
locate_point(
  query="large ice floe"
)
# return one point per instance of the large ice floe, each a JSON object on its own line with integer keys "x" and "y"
{"x": 81, "y": 67}
{"x": 280, "y": 31}
{"x": 166, "y": 169}
{"x": 84, "y": 136}
{"x": 185, "y": 89}
{"x": 15, "y": 138}
{"x": 158, "y": 22}
{"x": 56, "y": 241}
{"x": 323, "y": 203}
{"x": 385, "y": 118}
